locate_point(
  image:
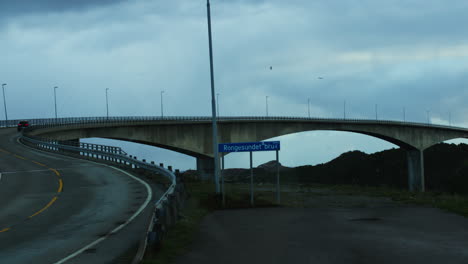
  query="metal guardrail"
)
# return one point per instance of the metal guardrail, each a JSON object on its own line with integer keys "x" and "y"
{"x": 166, "y": 208}
{"x": 49, "y": 122}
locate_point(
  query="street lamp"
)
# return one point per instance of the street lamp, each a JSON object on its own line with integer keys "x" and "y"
{"x": 450, "y": 118}
{"x": 4, "y": 103}
{"x": 308, "y": 106}
{"x": 162, "y": 108}
{"x": 213, "y": 103}
{"x": 404, "y": 114}
{"x": 55, "y": 101}
{"x": 344, "y": 109}
{"x": 376, "y": 116}
{"x": 266, "y": 103}
{"x": 107, "y": 103}
{"x": 217, "y": 103}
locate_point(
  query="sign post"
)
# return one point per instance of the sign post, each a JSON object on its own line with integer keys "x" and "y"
{"x": 251, "y": 147}
{"x": 278, "y": 193}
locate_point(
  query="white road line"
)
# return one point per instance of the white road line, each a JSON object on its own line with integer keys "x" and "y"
{"x": 118, "y": 228}
{"x": 46, "y": 170}
{"x": 12, "y": 172}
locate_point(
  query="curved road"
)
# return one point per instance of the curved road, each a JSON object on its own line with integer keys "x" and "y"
{"x": 52, "y": 206}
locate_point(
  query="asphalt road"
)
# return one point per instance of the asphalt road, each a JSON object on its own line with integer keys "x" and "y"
{"x": 52, "y": 206}
{"x": 381, "y": 232}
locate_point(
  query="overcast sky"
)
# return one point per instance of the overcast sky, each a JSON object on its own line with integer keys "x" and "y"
{"x": 400, "y": 54}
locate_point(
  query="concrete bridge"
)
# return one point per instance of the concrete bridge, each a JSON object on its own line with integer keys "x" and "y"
{"x": 192, "y": 135}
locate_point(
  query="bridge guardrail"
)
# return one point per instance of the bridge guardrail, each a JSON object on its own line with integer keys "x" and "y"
{"x": 50, "y": 122}
{"x": 165, "y": 209}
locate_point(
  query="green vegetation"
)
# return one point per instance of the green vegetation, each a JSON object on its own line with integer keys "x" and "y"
{"x": 352, "y": 175}
{"x": 202, "y": 201}
{"x": 455, "y": 203}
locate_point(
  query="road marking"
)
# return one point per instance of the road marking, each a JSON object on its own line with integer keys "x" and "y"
{"x": 38, "y": 163}
{"x": 19, "y": 157}
{"x": 60, "y": 186}
{"x": 4, "y": 151}
{"x": 55, "y": 171}
{"x": 118, "y": 228}
{"x": 4, "y": 230}
{"x": 45, "y": 207}
{"x": 13, "y": 172}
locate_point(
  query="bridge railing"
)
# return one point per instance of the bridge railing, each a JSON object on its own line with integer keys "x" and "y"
{"x": 165, "y": 209}
{"x": 53, "y": 122}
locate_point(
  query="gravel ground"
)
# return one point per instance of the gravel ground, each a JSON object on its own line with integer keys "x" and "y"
{"x": 332, "y": 229}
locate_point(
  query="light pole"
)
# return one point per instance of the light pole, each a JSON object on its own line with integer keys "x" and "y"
{"x": 450, "y": 118}
{"x": 266, "y": 104}
{"x": 55, "y": 101}
{"x": 213, "y": 102}
{"x": 4, "y": 103}
{"x": 107, "y": 103}
{"x": 217, "y": 104}
{"x": 162, "y": 108}
{"x": 344, "y": 109}
{"x": 376, "y": 116}
{"x": 308, "y": 106}
{"x": 404, "y": 114}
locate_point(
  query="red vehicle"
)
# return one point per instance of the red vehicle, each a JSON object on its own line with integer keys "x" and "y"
{"x": 22, "y": 124}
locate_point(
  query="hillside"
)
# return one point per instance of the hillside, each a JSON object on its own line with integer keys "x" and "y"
{"x": 446, "y": 169}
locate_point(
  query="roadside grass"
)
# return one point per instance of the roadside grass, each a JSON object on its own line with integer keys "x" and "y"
{"x": 202, "y": 201}
{"x": 454, "y": 203}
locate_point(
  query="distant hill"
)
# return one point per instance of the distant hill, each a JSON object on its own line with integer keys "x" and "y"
{"x": 446, "y": 169}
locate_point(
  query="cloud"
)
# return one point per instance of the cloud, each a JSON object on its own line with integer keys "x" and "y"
{"x": 399, "y": 55}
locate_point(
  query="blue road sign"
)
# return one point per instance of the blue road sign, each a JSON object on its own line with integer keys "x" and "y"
{"x": 249, "y": 146}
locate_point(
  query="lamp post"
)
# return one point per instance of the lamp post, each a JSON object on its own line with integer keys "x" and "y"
{"x": 344, "y": 109}
{"x": 107, "y": 103}
{"x": 404, "y": 114}
{"x": 162, "y": 107}
{"x": 308, "y": 106}
{"x": 266, "y": 104}
{"x": 376, "y": 115}
{"x": 4, "y": 103}
{"x": 217, "y": 104}
{"x": 450, "y": 118}
{"x": 213, "y": 103}
{"x": 55, "y": 101}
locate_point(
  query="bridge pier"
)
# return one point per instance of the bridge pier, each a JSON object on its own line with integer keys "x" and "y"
{"x": 415, "y": 170}
{"x": 205, "y": 168}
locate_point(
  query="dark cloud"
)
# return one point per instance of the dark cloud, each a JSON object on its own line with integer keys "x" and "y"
{"x": 11, "y": 8}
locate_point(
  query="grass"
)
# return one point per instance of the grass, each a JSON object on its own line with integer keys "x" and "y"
{"x": 202, "y": 201}
{"x": 454, "y": 203}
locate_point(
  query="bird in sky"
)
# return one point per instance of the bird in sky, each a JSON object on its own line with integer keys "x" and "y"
{"x": 271, "y": 68}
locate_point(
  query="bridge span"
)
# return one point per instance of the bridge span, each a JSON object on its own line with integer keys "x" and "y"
{"x": 192, "y": 135}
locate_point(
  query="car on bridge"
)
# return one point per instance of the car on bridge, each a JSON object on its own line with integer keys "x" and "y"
{"x": 22, "y": 124}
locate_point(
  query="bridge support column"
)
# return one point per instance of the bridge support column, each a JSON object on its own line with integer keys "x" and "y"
{"x": 415, "y": 170}
{"x": 205, "y": 168}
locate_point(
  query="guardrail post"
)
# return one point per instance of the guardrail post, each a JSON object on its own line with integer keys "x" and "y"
{"x": 136, "y": 166}
{"x": 161, "y": 165}
{"x": 169, "y": 168}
